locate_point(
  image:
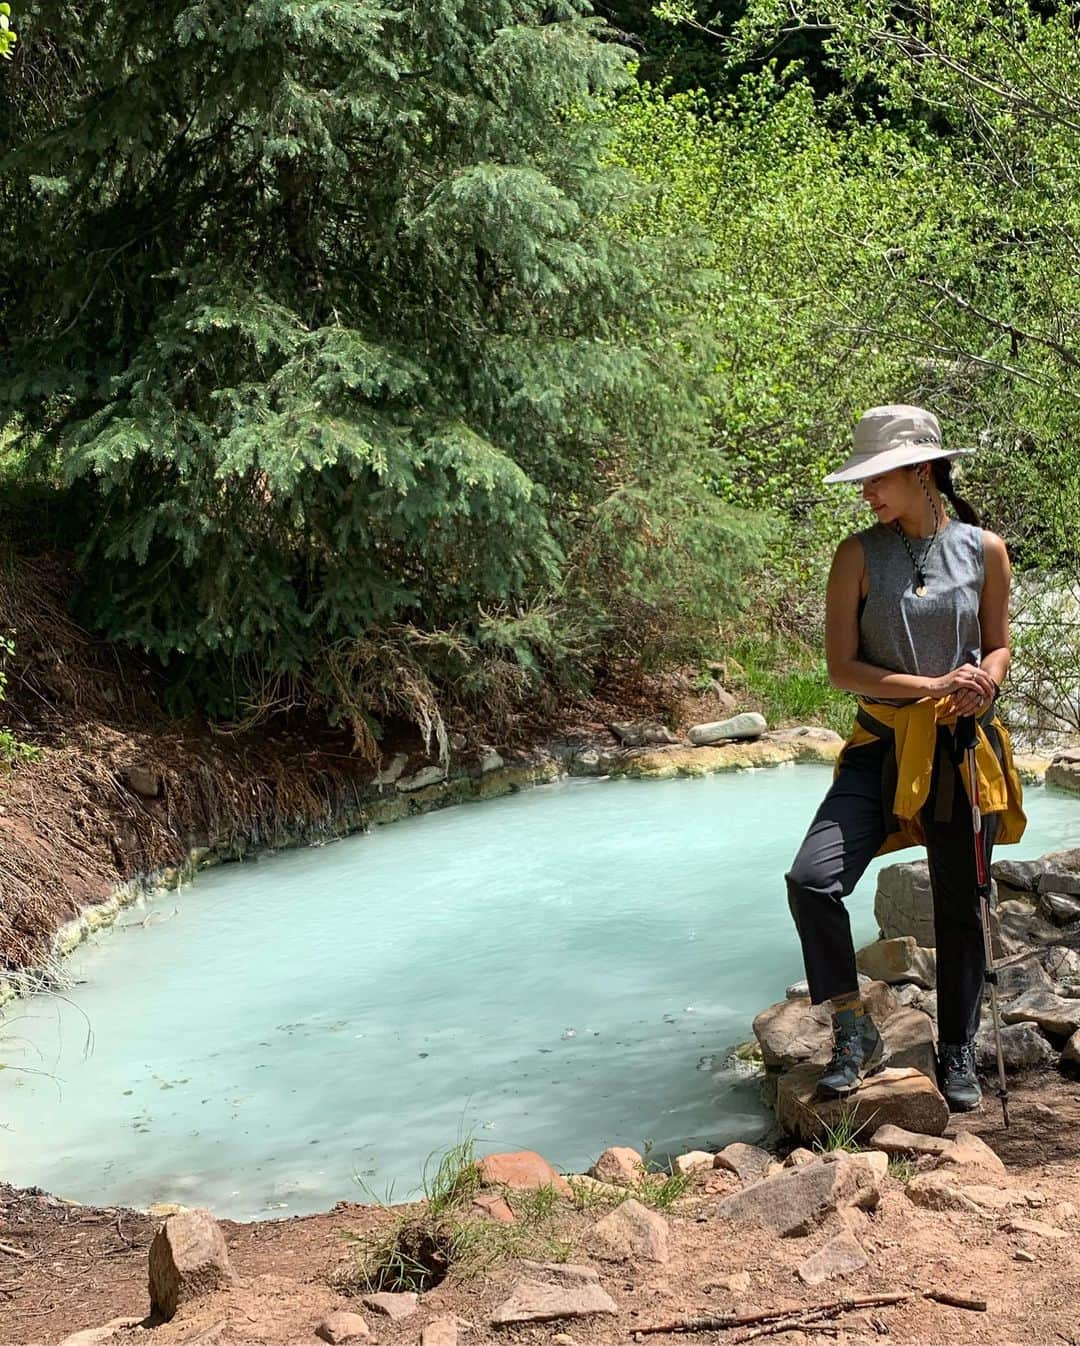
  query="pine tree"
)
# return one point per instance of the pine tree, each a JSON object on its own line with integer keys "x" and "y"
{"x": 324, "y": 307}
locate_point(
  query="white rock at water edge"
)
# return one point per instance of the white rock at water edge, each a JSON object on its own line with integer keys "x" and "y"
{"x": 747, "y": 725}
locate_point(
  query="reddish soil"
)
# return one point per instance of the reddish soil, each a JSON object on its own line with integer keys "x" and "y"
{"x": 65, "y": 1268}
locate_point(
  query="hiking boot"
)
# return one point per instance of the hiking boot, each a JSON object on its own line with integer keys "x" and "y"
{"x": 858, "y": 1050}
{"x": 956, "y": 1076}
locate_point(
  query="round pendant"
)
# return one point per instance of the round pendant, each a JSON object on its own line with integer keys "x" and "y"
{"x": 920, "y": 591}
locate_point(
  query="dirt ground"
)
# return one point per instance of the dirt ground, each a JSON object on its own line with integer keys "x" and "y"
{"x": 64, "y": 1268}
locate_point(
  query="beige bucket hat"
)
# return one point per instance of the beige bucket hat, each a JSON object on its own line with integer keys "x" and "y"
{"x": 890, "y": 437}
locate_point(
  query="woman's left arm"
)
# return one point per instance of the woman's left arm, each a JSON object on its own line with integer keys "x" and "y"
{"x": 994, "y": 607}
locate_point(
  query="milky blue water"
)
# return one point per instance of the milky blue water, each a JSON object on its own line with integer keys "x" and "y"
{"x": 560, "y": 970}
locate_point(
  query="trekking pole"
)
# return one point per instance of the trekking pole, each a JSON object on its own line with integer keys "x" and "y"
{"x": 966, "y": 738}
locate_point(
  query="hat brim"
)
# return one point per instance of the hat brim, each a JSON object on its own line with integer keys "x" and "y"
{"x": 862, "y": 465}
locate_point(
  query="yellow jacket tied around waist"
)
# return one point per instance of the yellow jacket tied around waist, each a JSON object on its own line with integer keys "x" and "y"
{"x": 914, "y": 730}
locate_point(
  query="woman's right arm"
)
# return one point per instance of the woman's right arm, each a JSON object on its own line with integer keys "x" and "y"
{"x": 846, "y": 670}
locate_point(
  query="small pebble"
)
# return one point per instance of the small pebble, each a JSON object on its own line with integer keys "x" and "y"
{"x": 1023, "y": 1256}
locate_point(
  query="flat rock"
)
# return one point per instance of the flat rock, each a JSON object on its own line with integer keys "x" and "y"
{"x": 642, "y": 733}
{"x": 524, "y": 1170}
{"x": 1053, "y": 1013}
{"x": 1019, "y": 1225}
{"x": 895, "y": 1140}
{"x": 632, "y": 1232}
{"x": 795, "y": 1200}
{"x": 693, "y": 1161}
{"x": 1023, "y": 1047}
{"x": 341, "y": 1326}
{"x": 534, "y": 1301}
{"x": 899, "y": 960}
{"x": 747, "y": 725}
{"x": 188, "y": 1259}
{"x": 747, "y": 1162}
{"x": 970, "y": 1150}
{"x": 439, "y": 1332}
{"x": 395, "y": 1306}
{"x": 839, "y": 1257}
{"x": 619, "y": 1164}
{"x": 933, "y": 1191}
{"x": 901, "y": 1097}
{"x": 420, "y": 780}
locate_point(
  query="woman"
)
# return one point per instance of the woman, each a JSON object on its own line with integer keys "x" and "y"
{"x": 917, "y": 626}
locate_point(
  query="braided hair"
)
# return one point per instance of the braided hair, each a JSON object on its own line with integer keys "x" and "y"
{"x": 942, "y": 469}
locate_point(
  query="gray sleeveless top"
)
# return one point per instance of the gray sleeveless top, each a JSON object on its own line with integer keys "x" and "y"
{"x": 925, "y": 636}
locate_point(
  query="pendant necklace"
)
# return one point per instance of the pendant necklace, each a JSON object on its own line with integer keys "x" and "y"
{"x": 919, "y": 567}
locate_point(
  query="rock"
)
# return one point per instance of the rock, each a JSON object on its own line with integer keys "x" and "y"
{"x": 419, "y": 780}
{"x": 1019, "y": 927}
{"x": 909, "y": 1041}
{"x": 1070, "y": 1055}
{"x": 747, "y": 725}
{"x": 100, "y": 1336}
{"x": 738, "y": 1283}
{"x": 839, "y": 1257}
{"x": 747, "y": 1162}
{"x": 632, "y": 1232}
{"x": 490, "y": 760}
{"x": 188, "y": 1259}
{"x": 876, "y": 1161}
{"x": 693, "y": 1161}
{"x": 159, "y": 1210}
{"x": 1061, "y": 872}
{"x": 800, "y": 990}
{"x": 799, "y": 1158}
{"x": 395, "y": 1306}
{"x": 932, "y": 1191}
{"x": 795, "y": 1200}
{"x": 1064, "y": 772}
{"x": 895, "y": 1140}
{"x": 440, "y": 1332}
{"x": 1061, "y": 963}
{"x": 1025, "y": 974}
{"x": 641, "y": 733}
{"x": 524, "y": 1170}
{"x": 1022, "y": 1255}
{"x": 901, "y": 1097}
{"x": 1020, "y": 874}
{"x": 969, "y": 1150}
{"x": 458, "y": 742}
{"x": 1061, "y": 908}
{"x": 802, "y": 732}
{"x": 143, "y": 780}
{"x": 793, "y": 1031}
{"x": 389, "y": 774}
{"x": 591, "y": 762}
{"x": 1054, "y": 1014}
{"x": 1023, "y": 1047}
{"x": 1018, "y": 1225}
{"x": 619, "y": 1165}
{"x": 493, "y": 1206}
{"x": 904, "y": 903}
{"x": 566, "y": 1291}
{"x": 899, "y": 960}
{"x": 341, "y": 1326}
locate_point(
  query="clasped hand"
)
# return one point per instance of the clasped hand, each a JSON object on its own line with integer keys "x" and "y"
{"x": 968, "y": 687}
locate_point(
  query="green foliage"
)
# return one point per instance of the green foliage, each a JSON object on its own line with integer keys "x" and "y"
{"x": 13, "y": 752}
{"x": 8, "y": 36}
{"x": 787, "y": 679}
{"x": 334, "y": 310}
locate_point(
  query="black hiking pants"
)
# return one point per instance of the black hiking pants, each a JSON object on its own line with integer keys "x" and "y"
{"x": 845, "y": 835}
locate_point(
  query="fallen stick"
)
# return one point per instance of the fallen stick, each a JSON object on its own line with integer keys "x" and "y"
{"x": 721, "y": 1323}
{"x": 12, "y": 1251}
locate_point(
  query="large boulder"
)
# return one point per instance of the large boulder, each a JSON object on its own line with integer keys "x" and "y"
{"x": 796, "y": 1200}
{"x": 188, "y": 1259}
{"x": 1060, "y": 908}
{"x": 905, "y": 1098}
{"x": 1055, "y": 1015}
{"x": 1023, "y": 1047}
{"x": 793, "y": 1031}
{"x": 747, "y": 725}
{"x": 904, "y": 903}
{"x": 898, "y": 960}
